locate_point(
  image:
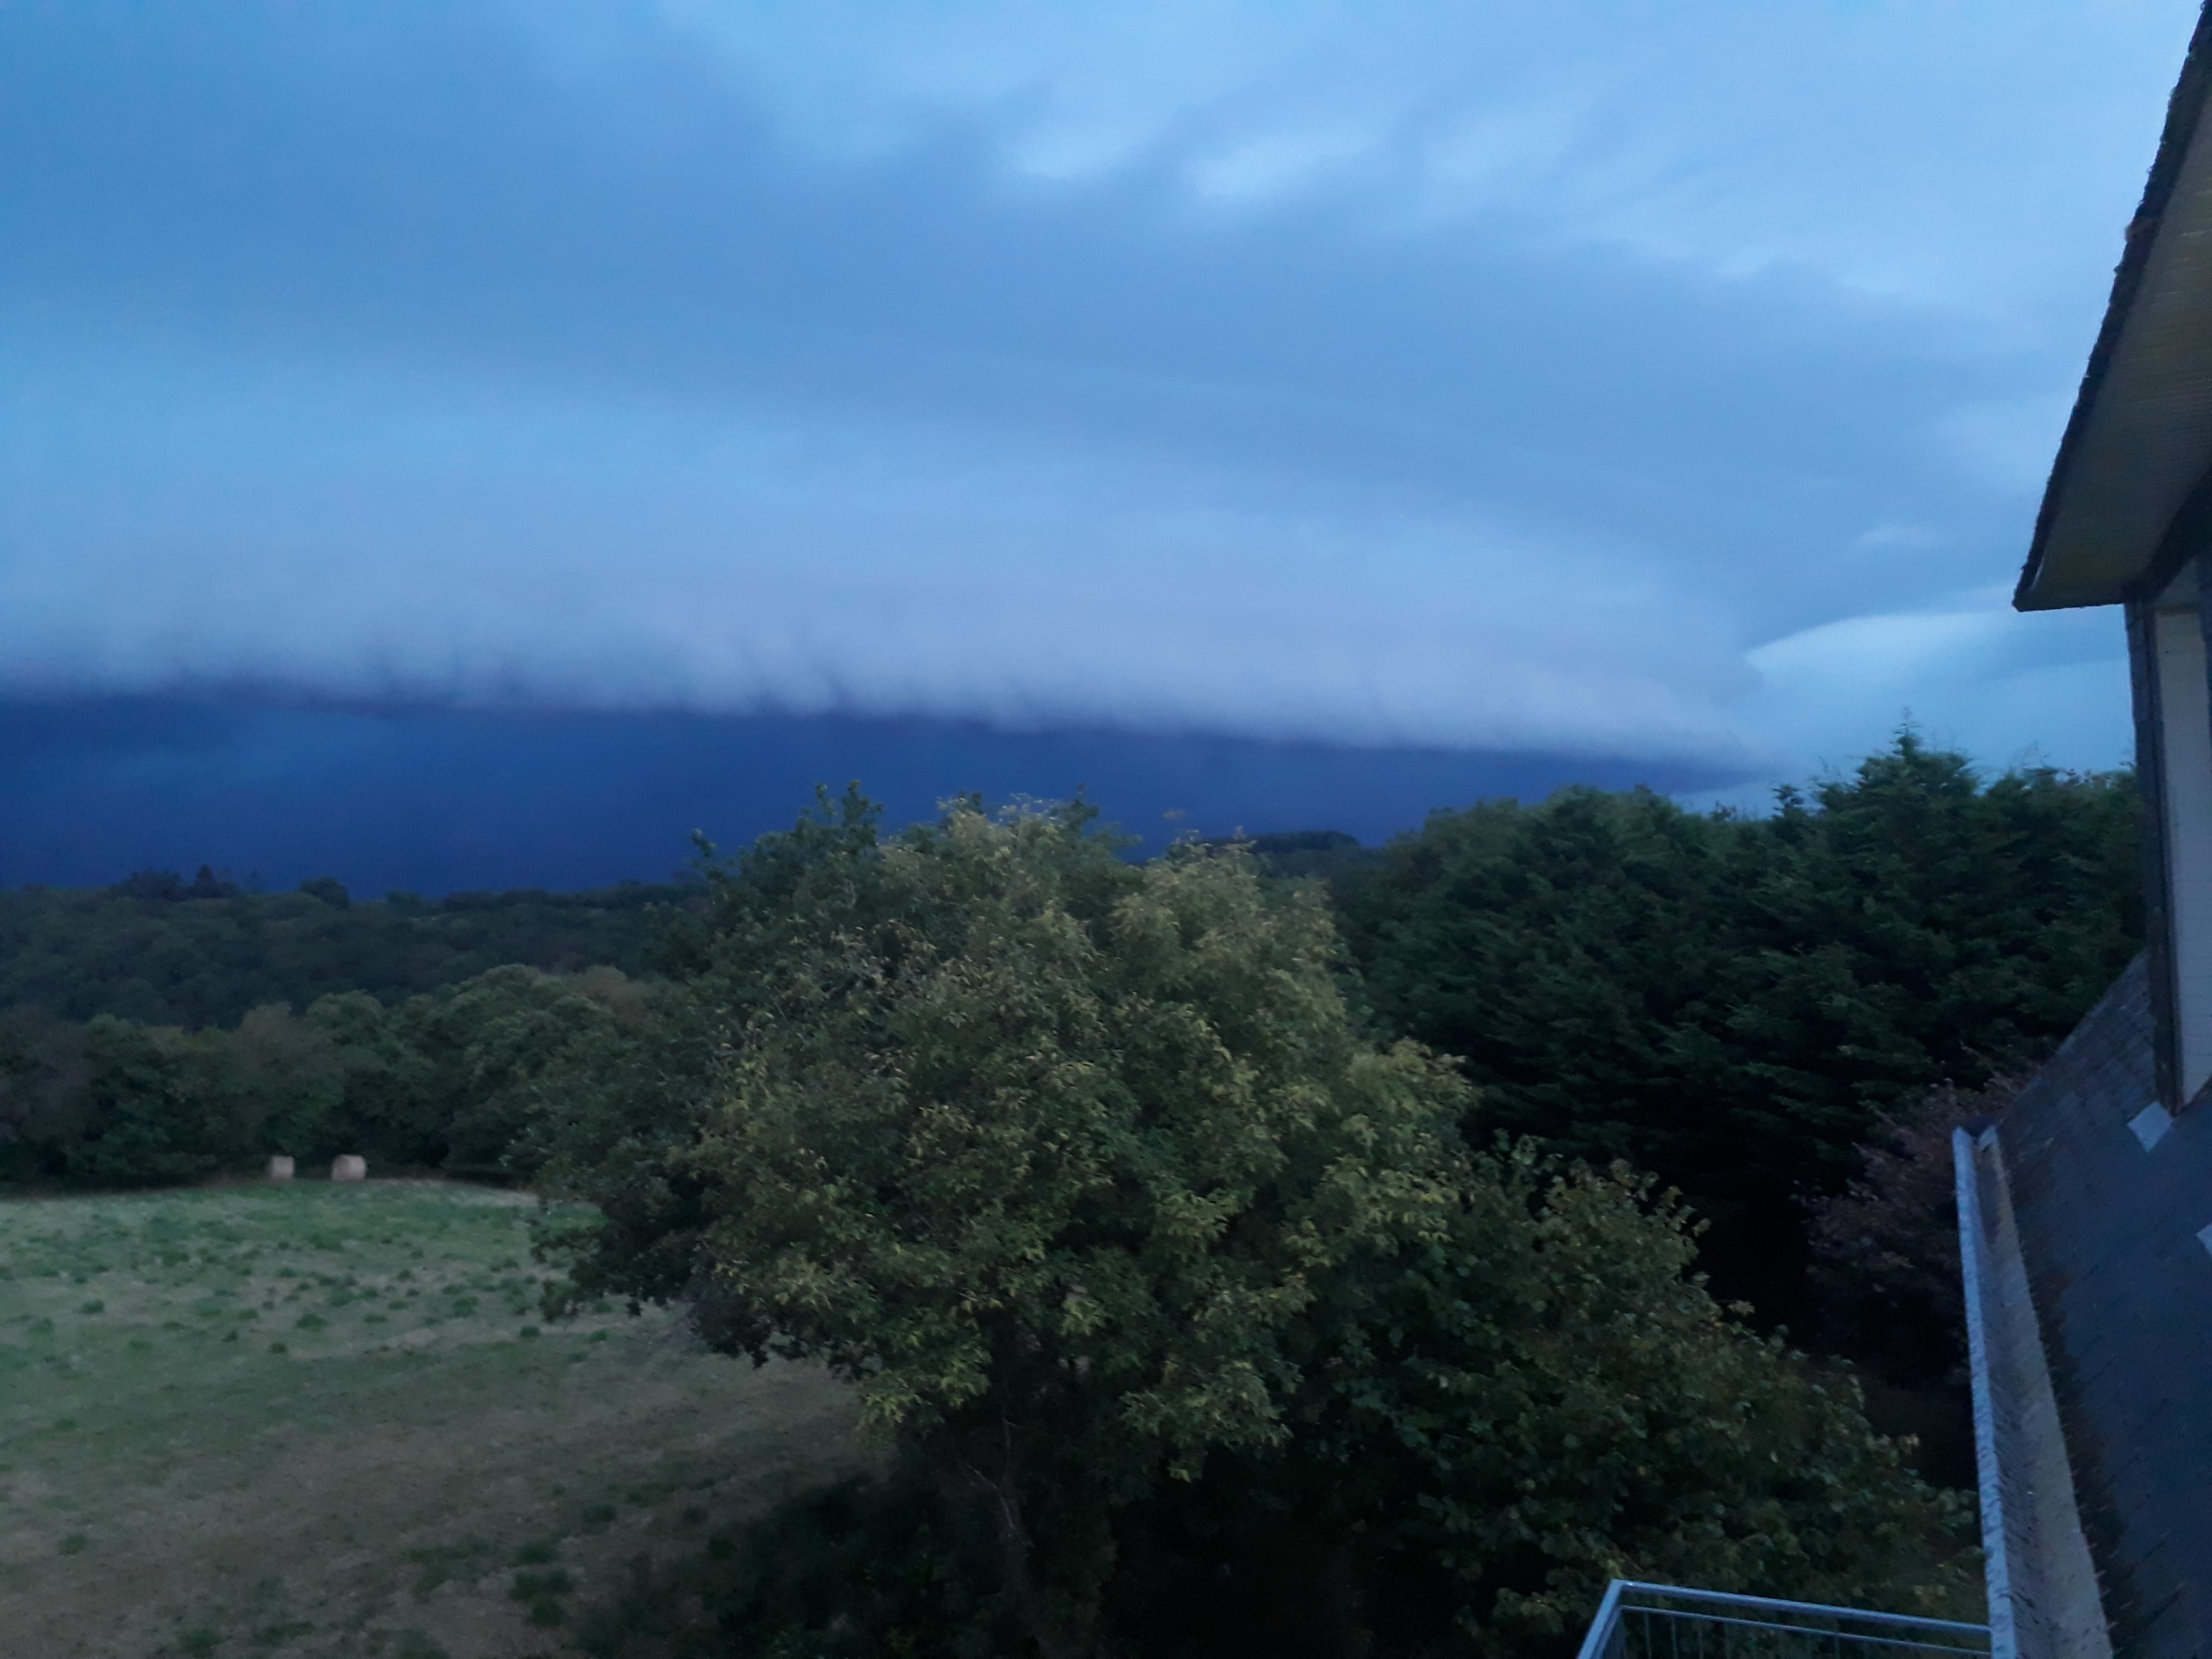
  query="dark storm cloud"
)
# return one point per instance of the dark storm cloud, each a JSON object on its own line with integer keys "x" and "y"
{"x": 583, "y": 357}
{"x": 434, "y": 800}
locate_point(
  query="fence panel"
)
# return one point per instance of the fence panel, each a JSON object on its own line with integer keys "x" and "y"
{"x": 1665, "y": 1621}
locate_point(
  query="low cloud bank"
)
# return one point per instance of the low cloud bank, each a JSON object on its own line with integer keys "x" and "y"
{"x": 437, "y": 800}
{"x": 1217, "y": 371}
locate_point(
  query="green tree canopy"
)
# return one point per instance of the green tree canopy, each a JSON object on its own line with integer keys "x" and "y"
{"x": 1732, "y": 1003}
{"x": 164, "y": 951}
{"x": 1083, "y": 1174}
{"x": 1047, "y": 1152}
{"x": 445, "y": 1080}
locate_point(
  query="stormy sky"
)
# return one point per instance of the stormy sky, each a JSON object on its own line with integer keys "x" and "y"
{"x": 469, "y": 442}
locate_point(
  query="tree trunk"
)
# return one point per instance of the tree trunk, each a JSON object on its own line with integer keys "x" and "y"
{"x": 1062, "y": 1625}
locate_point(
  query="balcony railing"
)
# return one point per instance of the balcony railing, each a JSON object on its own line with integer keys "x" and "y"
{"x": 1661, "y": 1621}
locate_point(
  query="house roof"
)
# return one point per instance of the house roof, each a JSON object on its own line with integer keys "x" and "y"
{"x": 2130, "y": 494}
{"x": 2112, "y": 1199}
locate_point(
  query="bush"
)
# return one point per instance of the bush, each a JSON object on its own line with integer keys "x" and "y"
{"x": 1886, "y": 1249}
{"x": 153, "y": 1110}
{"x": 876, "y": 1565}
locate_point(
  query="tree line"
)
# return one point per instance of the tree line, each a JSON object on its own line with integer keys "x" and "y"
{"x": 1273, "y": 1233}
{"x": 446, "y": 1080}
{"x": 161, "y": 951}
{"x": 1737, "y": 1004}
{"x": 1733, "y": 1005}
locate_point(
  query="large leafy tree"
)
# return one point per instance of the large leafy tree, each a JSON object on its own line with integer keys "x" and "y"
{"x": 1084, "y": 1175}
{"x": 1047, "y": 1153}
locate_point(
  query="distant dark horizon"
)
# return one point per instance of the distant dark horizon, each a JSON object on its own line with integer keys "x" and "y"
{"x": 441, "y": 801}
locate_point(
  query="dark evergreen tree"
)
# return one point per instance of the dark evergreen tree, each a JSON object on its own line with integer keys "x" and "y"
{"x": 1730, "y": 1002}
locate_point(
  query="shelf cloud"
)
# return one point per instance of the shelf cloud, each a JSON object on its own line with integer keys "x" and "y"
{"x": 1580, "y": 378}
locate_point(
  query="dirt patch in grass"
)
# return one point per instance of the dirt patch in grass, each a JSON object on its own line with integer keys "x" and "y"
{"x": 305, "y": 1421}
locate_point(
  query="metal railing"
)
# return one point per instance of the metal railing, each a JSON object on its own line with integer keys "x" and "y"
{"x": 1664, "y": 1621}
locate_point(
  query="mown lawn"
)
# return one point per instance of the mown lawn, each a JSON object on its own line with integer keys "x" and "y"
{"x": 326, "y": 1420}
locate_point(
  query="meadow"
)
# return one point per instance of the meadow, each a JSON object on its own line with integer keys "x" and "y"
{"x": 322, "y": 1419}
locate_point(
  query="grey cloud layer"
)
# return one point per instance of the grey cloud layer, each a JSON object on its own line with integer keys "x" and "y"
{"x": 384, "y": 350}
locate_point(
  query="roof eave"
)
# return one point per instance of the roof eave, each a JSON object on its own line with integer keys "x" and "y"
{"x": 2040, "y": 587}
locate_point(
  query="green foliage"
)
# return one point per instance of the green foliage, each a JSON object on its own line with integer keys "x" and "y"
{"x": 1054, "y": 1106}
{"x": 484, "y": 1043}
{"x": 377, "y": 1086}
{"x": 1081, "y": 1172}
{"x": 154, "y": 1108}
{"x": 44, "y": 1071}
{"x": 1886, "y": 1249}
{"x": 1483, "y": 1433}
{"x": 1549, "y": 1401}
{"x": 1731, "y": 1002}
{"x": 1043, "y": 1151}
{"x": 443, "y": 1080}
{"x": 625, "y": 1103}
{"x": 893, "y": 1564}
{"x": 1308, "y": 852}
{"x": 162, "y": 952}
{"x": 1196, "y": 1305}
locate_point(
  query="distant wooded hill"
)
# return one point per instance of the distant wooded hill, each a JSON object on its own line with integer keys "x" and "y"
{"x": 163, "y": 951}
{"x": 1734, "y": 1005}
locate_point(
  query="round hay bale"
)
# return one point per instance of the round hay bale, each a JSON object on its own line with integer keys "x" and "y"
{"x": 280, "y": 1168}
{"x": 347, "y": 1167}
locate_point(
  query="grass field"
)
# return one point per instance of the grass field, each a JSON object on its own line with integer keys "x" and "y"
{"x": 328, "y": 1420}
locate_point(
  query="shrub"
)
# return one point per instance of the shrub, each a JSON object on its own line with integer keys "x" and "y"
{"x": 873, "y": 1566}
{"x": 1886, "y": 1249}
